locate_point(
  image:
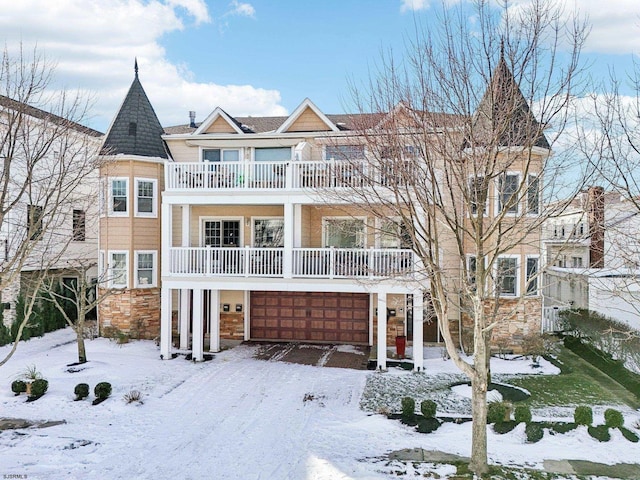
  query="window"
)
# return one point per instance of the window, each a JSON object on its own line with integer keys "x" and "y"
{"x": 478, "y": 193}
{"x": 507, "y": 276}
{"x": 344, "y": 152}
{"x": 119, "y": 196}
{"x": 532, "y": 275}
{"x": 79, "y": 226}
{"x": 146, "y": 197}
{"x": 34, "y": 221}
{"x": 119, "y": 269}
{"x": 221, "y": 233}
{"x": 576, "y": 262}
{"x": 273, "y": 154}
{"x": 393, "y": 234}
{"x": 221, "y": 154}
{"x": 344, "y": 233}
{"x": 133, "y": 129}
{"x": 268, "y": 232}
{"x": 507, "y": 190}
{"x": 145, "y": 269}
{"x": 472, "y": 268}
{"x": 533, "y": 194}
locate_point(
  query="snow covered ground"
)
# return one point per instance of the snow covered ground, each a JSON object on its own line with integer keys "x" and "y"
{"x": 234, "y": 417}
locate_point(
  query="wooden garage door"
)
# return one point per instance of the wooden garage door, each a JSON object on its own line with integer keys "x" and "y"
{"x": 310, "y": 316}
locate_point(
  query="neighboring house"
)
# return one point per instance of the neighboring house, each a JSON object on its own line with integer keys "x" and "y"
{"x": 593, "y": 256}
{"x": 52, "y": 185}
{"x": 236, "y": 228}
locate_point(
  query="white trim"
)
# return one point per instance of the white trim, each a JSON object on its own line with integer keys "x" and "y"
{"x": 154, "y": 271}
{"x": 202, "y": 148}
{"x": 154, "y": 201}
{"x": 110, "y": 211}
{"x": 306, "y": 103}
{"x": 526, "y": 197}
{"x": 343, "y": 217}
{"x": 213, "y": 116}
{"x": 110, "y": 268}
{"x": 517, "y": 273}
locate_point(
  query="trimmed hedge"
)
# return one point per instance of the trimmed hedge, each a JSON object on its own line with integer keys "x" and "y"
{"x": 583, "y": 415}
{"x": 428, "y": 408}
{"x": 498, "y": 412}
{"x": 81, "y": 391}
{"x": 504, "y": 427}
{"x": 408, "y": 409}
{"x": 604, "y": 362}
{"x": 600, "y": 433}
{"x": 613, "y": 418}
{"x": 534, "y": 432}
{"x": 38, "y": 388}
{"x": 522, "y": 414}
{"x": 18, "y": 387}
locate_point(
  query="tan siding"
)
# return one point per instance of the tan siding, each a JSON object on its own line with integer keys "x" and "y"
{"x": 181, "y": 152}
{"x": 308, "y": 121}
{"x": 176, "y": 231}
{"x": 220, "y": 126}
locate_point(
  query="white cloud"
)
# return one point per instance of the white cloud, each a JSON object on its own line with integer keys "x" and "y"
{"x": 94, "y": 44}
{"x": 243, "y": 9}
{"x": 414, "y": 5}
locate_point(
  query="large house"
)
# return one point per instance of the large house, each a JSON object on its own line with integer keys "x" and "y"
{"x": 244, "y": 228}
{"x": 49, "y": 189}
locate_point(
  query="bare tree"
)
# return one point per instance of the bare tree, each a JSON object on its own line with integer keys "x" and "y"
{"x": 47, "y": 158}
{"x": 456, "y": 155}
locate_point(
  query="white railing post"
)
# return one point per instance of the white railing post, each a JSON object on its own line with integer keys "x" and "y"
{"x": 332, "y": 261}
{"x": 247, "y": 261}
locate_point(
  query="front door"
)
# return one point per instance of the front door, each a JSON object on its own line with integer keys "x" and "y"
{"x": 221, "y": 233}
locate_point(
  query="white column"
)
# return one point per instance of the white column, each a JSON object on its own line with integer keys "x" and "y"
{"x": 287, "y": 261}
{"x": 165, "y": 323}
{"x": 197, "y": 349}
{"x": 297, "y": 226}
{"x": 186, "y": 226}
{"x": 165, "y": 237}
{"x": 183, "y": 317}
{"x": 418, "y": 317}
{"x": 214, "y": 315}
{"x": 382, "y": 331}
{"x": 372, "y": 309}
{"x": 247, "y": 318}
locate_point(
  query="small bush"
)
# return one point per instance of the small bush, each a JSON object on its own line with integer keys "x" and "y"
{"x": 133, "y": 396}
{"x": 428, "y": 425}
{"x": 613, "y": 418}
{"x": 31, "y": 373}
{"x": 534, "y": 432}
{"x": 504, "y": 427}
{"x": 583, "y": 415}
{"x": 408, "y": 408}
{"x": 498, "y": 412}
{"x": 102, "y": 390}
{"x": 562, "y": 427}
{"x": 81, "y": 391}
{"x": 38, "y": 388}
{"x": 522, "y": 414}
{"x": 428, "y": 408}
{"x": 18, "y": 387}
{"x": 629, "y": 435}
{"x": 600, "y": 433}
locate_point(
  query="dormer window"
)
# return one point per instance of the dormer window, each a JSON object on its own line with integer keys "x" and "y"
{"x": 133, "y": 129}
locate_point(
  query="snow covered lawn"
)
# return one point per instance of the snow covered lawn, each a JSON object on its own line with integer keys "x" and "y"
{"x": 234, "y": 417}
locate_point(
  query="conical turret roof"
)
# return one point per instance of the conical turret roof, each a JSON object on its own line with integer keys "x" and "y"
{"x": 136, "y": 129}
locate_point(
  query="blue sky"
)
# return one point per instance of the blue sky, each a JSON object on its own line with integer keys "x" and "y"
{"x": 260, "y": 57}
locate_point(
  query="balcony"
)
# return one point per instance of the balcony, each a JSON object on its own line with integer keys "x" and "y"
{"x": 305, "y": 262}
{"x": 210, "y": 176}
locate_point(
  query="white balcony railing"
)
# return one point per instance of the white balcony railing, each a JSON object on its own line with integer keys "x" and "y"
{"x": 306, "y": 262}
{"x": 207, "y": 176}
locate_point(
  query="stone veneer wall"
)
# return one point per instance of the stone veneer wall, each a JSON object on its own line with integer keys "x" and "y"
{"x": 519, "y": 321}
{"x": 10, "y": 295}
{"x": 232, "y": 326}
{"x": 135, "y": 311}
{"x": 395, "y": 326}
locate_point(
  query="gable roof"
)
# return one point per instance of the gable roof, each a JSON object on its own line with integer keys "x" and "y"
{"x": 216, "y": 115}
{"x": 16, "y": 106}
{"x": 504, "y": 112}
{"x": 136, "y": 129}
{"x": 305, "y": 106}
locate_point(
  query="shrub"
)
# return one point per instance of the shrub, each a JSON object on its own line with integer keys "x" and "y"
{"x": 534, "y": 432}
{"x": 428, "y": 424}
{"x": 408, "y": 408}
{"x": 613, "y": 418}
{"x": 562, "y": 427}
{"x": 583, "y": 415}
{"x": 81, "y": 391}
{"x": 102, "y": 390}
{"x": 533, "y": 346}
{"x": 522, "y": 414}
{"x": 38, "y": 388}
{"x": 504, "y": 427}
{"x": 133, "y": 396}
{"x": 428, "y": 408}
{"x": 31, "y": 373}
{"x": 18, "y": 387}
{"x": 600, "y": 433}
{"x": 629, "y": 435}
{"x": 498, "y": 412}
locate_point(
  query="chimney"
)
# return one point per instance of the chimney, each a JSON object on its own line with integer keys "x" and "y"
{"x": 595, "y": 206}
{"x": 192, "y": 119}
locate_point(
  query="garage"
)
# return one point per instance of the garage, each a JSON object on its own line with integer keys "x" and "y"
{"x": 310, "y": 316}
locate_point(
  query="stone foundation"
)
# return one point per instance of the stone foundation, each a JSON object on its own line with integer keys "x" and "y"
{"x": 136, "y": 312}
